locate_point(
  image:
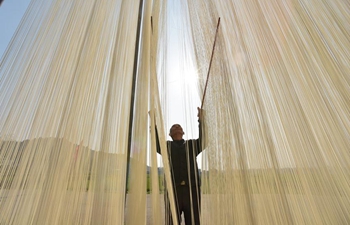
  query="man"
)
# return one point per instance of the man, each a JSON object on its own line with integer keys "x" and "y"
{"x": 184, "y": 172}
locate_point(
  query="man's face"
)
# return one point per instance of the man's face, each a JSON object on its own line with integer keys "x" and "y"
{"x": 176, "y": 130}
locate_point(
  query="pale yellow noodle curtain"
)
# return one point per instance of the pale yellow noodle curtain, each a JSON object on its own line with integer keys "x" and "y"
{"x": 277, "y": 129}
{"x": 277, "y": 119}
{"x": 65, "y": 103}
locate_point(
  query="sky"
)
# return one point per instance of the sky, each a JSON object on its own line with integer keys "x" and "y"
{"x": 11, "y": 13}
{"x": 182, "y": 82}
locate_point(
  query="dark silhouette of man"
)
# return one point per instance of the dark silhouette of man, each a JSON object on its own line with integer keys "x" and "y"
{"x": 184, "y": 172}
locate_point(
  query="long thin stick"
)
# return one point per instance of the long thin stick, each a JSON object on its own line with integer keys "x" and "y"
{"x": 133, "y": 88}
{"x": 211, "y": 59}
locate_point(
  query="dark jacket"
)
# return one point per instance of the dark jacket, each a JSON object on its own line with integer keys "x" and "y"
{"x": 182, "y": 159}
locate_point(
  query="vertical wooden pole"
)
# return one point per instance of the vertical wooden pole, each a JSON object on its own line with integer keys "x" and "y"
{"x": 132, "y": 103}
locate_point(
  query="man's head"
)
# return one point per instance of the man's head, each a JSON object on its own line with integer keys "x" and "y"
{"x": 176, "y": 132}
